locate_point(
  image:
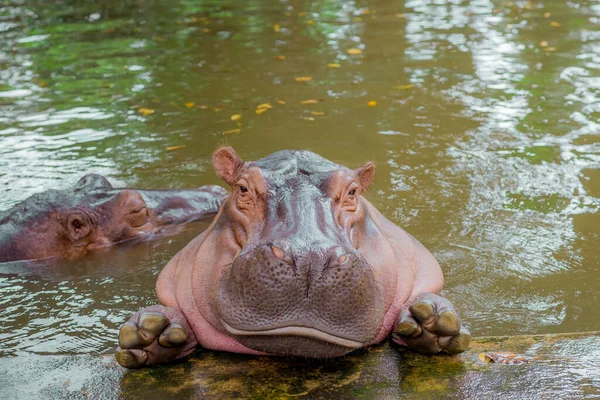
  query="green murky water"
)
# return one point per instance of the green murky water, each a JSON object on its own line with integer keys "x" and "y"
{"x": 485, "y": 133}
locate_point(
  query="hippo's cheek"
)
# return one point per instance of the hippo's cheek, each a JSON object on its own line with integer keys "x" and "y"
{"x": 271, "y": 306}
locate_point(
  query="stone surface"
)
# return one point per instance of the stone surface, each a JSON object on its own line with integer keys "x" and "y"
{"x": 560, "y": 366}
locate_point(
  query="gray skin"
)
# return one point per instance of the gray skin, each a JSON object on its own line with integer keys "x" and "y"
{"x": 296, "y": 263}
{"x": 65, "y": 224}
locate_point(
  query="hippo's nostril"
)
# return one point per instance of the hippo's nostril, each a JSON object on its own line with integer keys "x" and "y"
{"x": 343, "y": 258}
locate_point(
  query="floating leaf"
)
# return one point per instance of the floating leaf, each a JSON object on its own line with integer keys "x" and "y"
{"x": 264, "y": 105}
{"x": 202, "y": 107}
{"x": 503, "y": 358}
{"x": 354, "y": 51}
{"x": 280, "y": 102}
{"x": 317, "y": 113}
{"x": 372, "y": 103}
{"x": 547, "y": 15}
{"x": 205, "y": 30}
{"x": 404, "y": 87}
{"x": 145, "y": 111}
{"x": 549, "y": 48}
{"x": 277, "y": 27}
{"x": 189, "y": 104}
{"x": 261, "y": 110}
{"x": 236, "y": 117}
{"x": 309, "y": 101}
{"x": 357, "y": 19}
{"x": 543, "y": 43}
{"x": 333, "y": 65}
{"x": 555, "y": 24}
{"x": 310, "y": 22}
{"x": 308, "y": 118}
{"x": 231, "y": 131}
{"x": 303, "y": 78}
{"x": 279, "y": 57}
{"x": 399, "y": 15}
{"x": 171, "y": 148}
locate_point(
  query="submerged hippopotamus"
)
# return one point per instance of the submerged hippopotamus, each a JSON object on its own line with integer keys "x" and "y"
{"x": 297, "y": 262}
{"x": 93, "y": 214}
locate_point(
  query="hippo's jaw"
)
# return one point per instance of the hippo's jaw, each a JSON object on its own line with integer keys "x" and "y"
{"x": 294, "y": 341}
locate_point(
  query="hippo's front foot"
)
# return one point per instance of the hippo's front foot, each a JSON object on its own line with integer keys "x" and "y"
{"x": 154, "y": 335}
{"x": 431, "y": 325}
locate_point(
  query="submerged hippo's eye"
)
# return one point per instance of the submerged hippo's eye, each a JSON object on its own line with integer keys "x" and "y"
{"x": 138, "y": 217}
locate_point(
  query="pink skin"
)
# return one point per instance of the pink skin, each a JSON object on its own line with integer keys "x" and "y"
{"x": 187, "y": 281}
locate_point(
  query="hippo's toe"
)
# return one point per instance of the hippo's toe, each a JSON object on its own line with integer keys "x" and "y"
{"x": 431, "y": 325}
{"x": 154, "y": 335}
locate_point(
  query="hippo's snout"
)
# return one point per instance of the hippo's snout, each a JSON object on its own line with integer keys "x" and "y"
{"x": 316, "y": 303}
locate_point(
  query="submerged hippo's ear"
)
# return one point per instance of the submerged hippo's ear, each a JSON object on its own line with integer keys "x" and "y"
{"x": 78, "y": 226}
{"x": 365, "y": 174}
{"x": 227, "y": 164}
{"x": 93, "y": 182}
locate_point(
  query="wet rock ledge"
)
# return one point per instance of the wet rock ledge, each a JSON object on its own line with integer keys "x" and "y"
{"x": 559, "y": 366}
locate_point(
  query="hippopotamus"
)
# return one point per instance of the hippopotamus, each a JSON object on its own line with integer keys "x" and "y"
{"x": 65, "y": 224}
{"x": 296, "y": 263}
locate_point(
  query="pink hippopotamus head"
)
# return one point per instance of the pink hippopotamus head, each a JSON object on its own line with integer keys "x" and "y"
{"x": 296, "y": 280}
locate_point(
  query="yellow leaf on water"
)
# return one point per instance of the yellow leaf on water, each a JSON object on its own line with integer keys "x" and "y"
{"x": 543, "y": 43}
{"x": 277, "y": 27}
{"x": 503, "y": 358}
{"x": 404, "y": 87}
{"x": 357, "y": 19}
{"x": 309, "y": 101}
{"x": 334, "y": 65}
{"x": 354, "y": 51}
{"x": 264, "y": 105}
{"x": 399, "y": 15}
{"x": 279, "y": 57}
{"x": 145, "y": 111}
{"x": 190, "y": 104}
{"x": 555, "y": 24}
{"x": 236, "y": 117}
{"x": 310, "y": 22}
{"x": 231, "y": 131}
{"x": 372, "y": 103}
{"x": 205, "y": 30}
{"x": 317, "y": 113}
{"x": 261, "y": 110}
{"x": 549, "y": 49}
{"x": 547, "y": 15}
{"x": 280, "y": 102}
{"x": 171, "y": 148}
{"x": 308, "y": 118}
{"x": 303, "y": 78}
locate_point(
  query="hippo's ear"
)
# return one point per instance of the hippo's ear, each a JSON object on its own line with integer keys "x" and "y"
{"x": 365, "y": 174}
{"x": 78, "y": 226}
{"x": 227, "y": 164}
{"x": 93, "y": 182}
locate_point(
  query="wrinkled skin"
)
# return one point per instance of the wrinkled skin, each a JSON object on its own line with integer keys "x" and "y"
{"x": 297, "y": 262}
{"x": 69, "y": 223}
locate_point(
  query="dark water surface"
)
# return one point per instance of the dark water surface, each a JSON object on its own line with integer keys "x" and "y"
{"x": 485, "y": 132}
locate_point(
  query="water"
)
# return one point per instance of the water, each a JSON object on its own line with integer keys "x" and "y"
{"x": 485, "y": 132}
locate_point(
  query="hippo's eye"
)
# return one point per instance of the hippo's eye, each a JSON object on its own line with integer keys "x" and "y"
{"x": 352, "y": 192}
{"x": 243, "y": 189}
{"x": 139, "y": 217}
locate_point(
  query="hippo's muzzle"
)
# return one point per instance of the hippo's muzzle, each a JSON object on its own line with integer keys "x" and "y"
{"x": 317, "y": 304}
